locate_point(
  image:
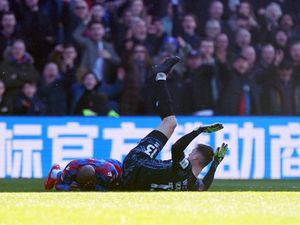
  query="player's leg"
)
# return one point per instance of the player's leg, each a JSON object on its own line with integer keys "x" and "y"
{"x": 155, "y": 141}
{"x": 164, "y": 100}
{"x": 52, "y": 177}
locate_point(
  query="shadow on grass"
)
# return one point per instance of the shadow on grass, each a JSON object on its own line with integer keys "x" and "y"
{"x": 36, "y": 185}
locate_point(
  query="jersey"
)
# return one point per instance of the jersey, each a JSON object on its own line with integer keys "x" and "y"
{"x": 142, "y": 172}
{"x": 108, "y": 174}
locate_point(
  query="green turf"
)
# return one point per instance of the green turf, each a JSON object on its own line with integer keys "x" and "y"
{"x": 160, "y": 208}
{"x": 36, "y": 185}
{"x": 228, "y": 202}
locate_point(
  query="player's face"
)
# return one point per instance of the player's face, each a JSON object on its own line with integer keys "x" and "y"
{"x": 193, "y": 155}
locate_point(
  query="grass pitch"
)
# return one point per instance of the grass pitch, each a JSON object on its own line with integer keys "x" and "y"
{"x": 228, "y": 202}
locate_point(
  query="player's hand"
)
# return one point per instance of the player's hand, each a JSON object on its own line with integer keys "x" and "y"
{"x": 211, "y": 128}
{"x": 74, "y": 187}
{"x": 220, "y": 153}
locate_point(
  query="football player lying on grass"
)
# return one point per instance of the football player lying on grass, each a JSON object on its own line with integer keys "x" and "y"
{"x": 85, "y": 175}
{"x": 141, "y": 170}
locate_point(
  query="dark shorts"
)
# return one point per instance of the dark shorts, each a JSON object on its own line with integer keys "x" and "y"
{"x": 140, "y": 166}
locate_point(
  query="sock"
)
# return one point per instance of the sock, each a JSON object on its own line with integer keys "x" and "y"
{"x": 164, "y": 103}
{"x": 161, "y": 76}
{"x": 54, "y": 173}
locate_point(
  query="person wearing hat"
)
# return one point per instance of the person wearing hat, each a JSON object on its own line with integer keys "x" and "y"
{"x": 282, "y": 95}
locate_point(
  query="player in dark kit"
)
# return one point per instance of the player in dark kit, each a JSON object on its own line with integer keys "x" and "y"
{"x": 142, "y": 172}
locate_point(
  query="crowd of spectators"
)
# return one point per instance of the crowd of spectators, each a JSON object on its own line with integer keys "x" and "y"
{"x": 95, "y": 57}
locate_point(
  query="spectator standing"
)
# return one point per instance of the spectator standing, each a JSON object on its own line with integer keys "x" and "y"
{"x": 295, "y": 56}
{"x": 137, "y": 97}
{"x": 37, "y": 31}
{"x": 28, "y": 103}
{"x": 249, "y": 53}
{"x": 282, "y": 95}
{"x": 202, "y": 82}
{"x": 65, "y": 56}
{"x": 17, "y": 68}
{"x": 53, "y": 91}
{"x": 9, "y": 32}
{"x": 97, "y": 55}
{"x": 186, "y": 28}
{"x": 109, "y": 92}
{"x": 91, "y": 102}
{"x": 265, "y": 68}
{"x": 241, "y": 95}
{"x": 242, "y": 39}
{"x": 73, "y": 16}
{"x": 212, "y": 29}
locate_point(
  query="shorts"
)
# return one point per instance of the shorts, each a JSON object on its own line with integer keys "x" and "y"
{"x": 140, "y": 166}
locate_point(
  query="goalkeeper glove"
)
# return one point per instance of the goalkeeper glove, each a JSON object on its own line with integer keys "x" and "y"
{"x": 220, "y": 154}
{"x": 210, "y": 128}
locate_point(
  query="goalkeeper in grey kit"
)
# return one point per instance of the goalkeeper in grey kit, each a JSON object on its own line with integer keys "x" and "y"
{"x": 141, "y": 171}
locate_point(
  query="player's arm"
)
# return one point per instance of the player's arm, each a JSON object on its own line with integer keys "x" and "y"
{"x": 67, "y": 187}
{"x": 66, "y": 181}
{"x": 206, "y": 182}
{"x": 180, "y": 145}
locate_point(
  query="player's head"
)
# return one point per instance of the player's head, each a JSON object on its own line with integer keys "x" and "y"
{"x": 201, "y": 155}
{"x": 86, "y": 178}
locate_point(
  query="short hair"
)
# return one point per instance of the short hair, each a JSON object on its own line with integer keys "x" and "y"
{"x": 68, "y": 45}
{"x": 268, "y": 45}
{"x": 207, "y": 153}
{"x": 294, "y": 42}
{"x": 18, "y": 40}
{"x": 86, "y": 178}
{"x": 93, "y": 22}
{"x": 89, "y": 72}
{"x": 8, "y": 13}
{"x": 239, "y": 57}
{"x": 29, "y": 82}
{"x": 206, "y": 40}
